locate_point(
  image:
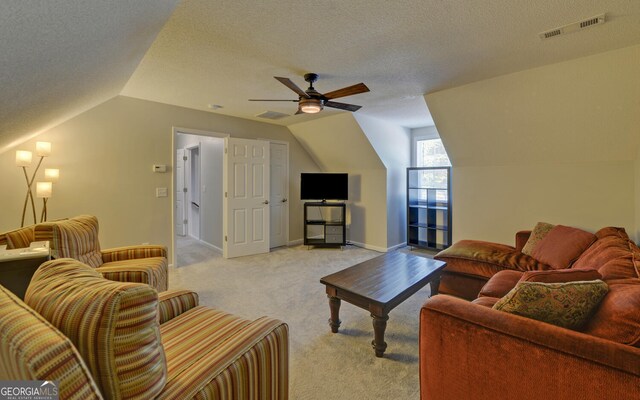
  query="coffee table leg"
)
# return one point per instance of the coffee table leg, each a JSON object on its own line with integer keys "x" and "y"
{"x": 334, "y": 321}
{"x": 435, "y": 285}
{"x": 379, "y": 326}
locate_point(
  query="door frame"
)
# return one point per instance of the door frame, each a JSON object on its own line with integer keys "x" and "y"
{"x": 174, "y": 134}
{"x": 189, "y": 174}
{"x": 286, "y": 177}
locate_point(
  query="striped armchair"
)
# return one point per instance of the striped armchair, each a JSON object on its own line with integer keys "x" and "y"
{"x": 102, "y": 339}
{"x": 78, "y": 238}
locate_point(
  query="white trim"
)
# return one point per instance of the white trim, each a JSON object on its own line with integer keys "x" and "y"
{"x": 286, "y": 144}
{"x": 378, "y": 248}
{"x": 211, "y": 246}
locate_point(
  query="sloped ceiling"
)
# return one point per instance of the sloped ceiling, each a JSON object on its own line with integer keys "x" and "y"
{"x": 62, "y": 57}
{"x": 580, "y": 111}
{"x": 224, "y": 53}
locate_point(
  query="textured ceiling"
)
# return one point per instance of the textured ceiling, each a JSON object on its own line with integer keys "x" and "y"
{"x": 225, "y": 52}
{"x": 61, "y": 57}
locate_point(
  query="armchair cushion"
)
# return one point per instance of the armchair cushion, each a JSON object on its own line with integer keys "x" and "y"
{"x": 20, "y": 238}
{"x": 73, "y": 238}
{"x": 562, "y": 246}
{"x": 133, "y": 252}
{"x": 175, "y": 302}
{"x": 152, "y": 271}
{"x": 567, "y": 305}
{"x": 33, "y": 349}
{"x": 501, "y": 283}
{"x": 210, "y": 352}
{"x": 113, "y": 325}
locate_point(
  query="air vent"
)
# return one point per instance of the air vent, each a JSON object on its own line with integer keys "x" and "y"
{"x": 576, "y": 26}
{"x": 272, "y": 115}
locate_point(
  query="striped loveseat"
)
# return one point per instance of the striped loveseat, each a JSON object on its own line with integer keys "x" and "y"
{"x": 78, "y": 238}
{"x": 101, "y": 339}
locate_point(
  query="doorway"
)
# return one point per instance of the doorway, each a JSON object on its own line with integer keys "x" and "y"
{"x": 208, "y": 194}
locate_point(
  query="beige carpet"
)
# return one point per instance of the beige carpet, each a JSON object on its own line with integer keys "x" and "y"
{"x": 285, "y": 284}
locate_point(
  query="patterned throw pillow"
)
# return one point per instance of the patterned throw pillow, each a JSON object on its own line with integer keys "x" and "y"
{"x": 568, "y": 305}
{"x": 539, "y": 232}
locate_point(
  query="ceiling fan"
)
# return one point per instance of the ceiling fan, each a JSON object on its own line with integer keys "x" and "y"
{"x": 311, "y": 101}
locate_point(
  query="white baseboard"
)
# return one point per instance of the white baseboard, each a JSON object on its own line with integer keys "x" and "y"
{"x": 209, "y": 245}
{"x": 296, "y": 242}
{"x": 378, "y": 248}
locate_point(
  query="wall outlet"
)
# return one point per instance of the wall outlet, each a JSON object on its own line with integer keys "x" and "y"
{"x": 161, "y": 192}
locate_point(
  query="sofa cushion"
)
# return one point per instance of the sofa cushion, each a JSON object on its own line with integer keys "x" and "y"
{"x": 561, "y": 275}
{"x": 537, "y": 234}
{"x": 73, "y": 238}
{"x": 613, "y": 254}
{"x": 33, "y": 349}
{"x": 568, "y": 305}
{"x": 500, "y": 284}
{"x": 112, "y": 324}
{"x": 618, "y": 317}
{"x": 486, "y": 301}
{"x": 20, "y": 238}
{"x": 485, "y": 259}
{"x": 562, "y": 246}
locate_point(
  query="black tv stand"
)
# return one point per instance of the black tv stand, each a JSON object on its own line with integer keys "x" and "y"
{"x": 325, "y": 224}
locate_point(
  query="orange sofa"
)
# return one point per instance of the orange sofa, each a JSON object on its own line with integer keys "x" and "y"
{"x": 471, "y": 351}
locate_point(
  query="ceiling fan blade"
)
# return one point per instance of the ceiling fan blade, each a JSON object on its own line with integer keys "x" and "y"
{"x": 295, "y": 101}
{"x": 288, "y": 83}
{"x": 347, "y": 91}
{"x": 342, "y": 106}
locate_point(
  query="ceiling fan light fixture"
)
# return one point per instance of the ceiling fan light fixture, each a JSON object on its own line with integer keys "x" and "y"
{"x": 311, "y": 106}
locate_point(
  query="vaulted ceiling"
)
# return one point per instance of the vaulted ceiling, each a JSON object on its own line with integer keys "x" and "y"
{"x": 61, "y": 57}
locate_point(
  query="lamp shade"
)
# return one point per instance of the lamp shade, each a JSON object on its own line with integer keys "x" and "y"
{"x": 43, "y": 149}
{"x": 310, "y": 106}
{"x": 23, "y": 158}
{"x": 44, "y": 189}
{"x": 52, "y": 174}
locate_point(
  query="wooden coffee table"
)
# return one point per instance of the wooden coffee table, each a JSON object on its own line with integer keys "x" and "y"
{"x": 379, "y": 285}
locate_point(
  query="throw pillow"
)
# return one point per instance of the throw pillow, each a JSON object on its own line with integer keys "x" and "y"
{"x": 568, "y": 305}
{"x": 562, "y": 246}
{"x": 537, "y": 234}
{"x": 561, "y": 275}
{"x": 113, "y": 325}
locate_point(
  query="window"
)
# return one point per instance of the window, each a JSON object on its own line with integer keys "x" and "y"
{"x": 431, "y": 153}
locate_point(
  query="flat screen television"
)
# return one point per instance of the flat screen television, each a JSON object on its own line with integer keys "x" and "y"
{"x": 324, "y": 186}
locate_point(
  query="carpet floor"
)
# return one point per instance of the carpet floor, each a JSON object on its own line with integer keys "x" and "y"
{"x": 285, "y": 284}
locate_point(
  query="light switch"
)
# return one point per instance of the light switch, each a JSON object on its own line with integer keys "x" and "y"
{"x": 161, "y": 192}
{"x": 159, "y": 168}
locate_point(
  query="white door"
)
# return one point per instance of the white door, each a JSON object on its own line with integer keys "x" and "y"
{"x": 279, "y": 198}
{"x": 181, "y": 201}
{"x": 245, "y": 206}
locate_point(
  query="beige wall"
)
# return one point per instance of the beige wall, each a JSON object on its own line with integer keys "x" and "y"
{"x": 106, "y": 156}
{"x": 555, "y": 143}
{"x": 637, "y": 199}
{"x": 392, "y": 143}
{"x": 337, "y": 144}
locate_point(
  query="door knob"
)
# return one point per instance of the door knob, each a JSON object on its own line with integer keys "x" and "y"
{"x": 265, "y": 202}
{"x": 284, "y": 200}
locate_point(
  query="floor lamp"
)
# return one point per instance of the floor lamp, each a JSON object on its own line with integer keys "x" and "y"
{"x": 23, "y": 159}
{"x": 44, "y": 191}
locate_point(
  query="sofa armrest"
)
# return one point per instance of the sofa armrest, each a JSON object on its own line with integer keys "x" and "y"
{"x": 471, "y": 351}
{"x": 175, "y": 302}
{"x": 521, "y": 239}
{"x": 133, "y": 252}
